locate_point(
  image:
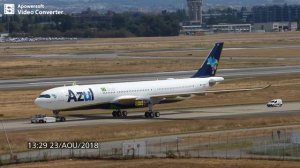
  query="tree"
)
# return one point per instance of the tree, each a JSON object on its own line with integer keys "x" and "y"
{"x": 92, "y": 24}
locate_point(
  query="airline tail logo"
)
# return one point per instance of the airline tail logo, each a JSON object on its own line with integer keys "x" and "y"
{"x": 9, "y": 9}
{"x": 213, "y": 64}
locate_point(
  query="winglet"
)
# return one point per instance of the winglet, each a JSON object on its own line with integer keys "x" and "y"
{"x": 210, "y": 65}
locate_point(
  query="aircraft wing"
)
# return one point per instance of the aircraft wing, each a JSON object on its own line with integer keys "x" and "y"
{"x": 129, "y": 99}
{"x": 237, "y": 90}
{"x": 208, "y": 91}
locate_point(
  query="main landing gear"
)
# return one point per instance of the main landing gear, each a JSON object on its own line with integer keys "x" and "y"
{"x": 123, "y": 114}
{"x": 150, "y": 113}
{"x": 119, "y": 114}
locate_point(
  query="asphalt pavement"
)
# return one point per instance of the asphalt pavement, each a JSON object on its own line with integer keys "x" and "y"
{"x": 76, "y": 120}
{"x": 98, "y": 79}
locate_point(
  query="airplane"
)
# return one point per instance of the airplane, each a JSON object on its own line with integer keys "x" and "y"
{"x": 140, "y": 94}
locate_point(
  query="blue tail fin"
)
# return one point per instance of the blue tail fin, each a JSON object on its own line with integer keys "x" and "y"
{"x": 210, "y": 65}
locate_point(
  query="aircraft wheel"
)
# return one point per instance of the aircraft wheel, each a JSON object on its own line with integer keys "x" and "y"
{"x": 114, "y": 114}
{"x": 119, "y": 113}
{"x": 151, "y": 115}
{"x": 146, "y": 114}
{"x": 124, "y": 113}
{"x": 157, "y": 114}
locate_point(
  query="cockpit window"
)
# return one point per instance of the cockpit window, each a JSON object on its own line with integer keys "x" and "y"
{"x": 45, "y": 96}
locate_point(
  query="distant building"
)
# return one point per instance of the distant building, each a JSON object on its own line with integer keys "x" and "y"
{"x": 220, "y": 28}
{"x": 3, "y": 36}
{"x": 232, "y": 28}
{"x": 279, "y": 2}
{"x": 245, "y": 15}
{"x": 275, "y": 26}
{"x": 195, "y": 10}
{"x": 194, "y": 30}
{"x": 275, "y": 13}
{"x": 195, "y": 25}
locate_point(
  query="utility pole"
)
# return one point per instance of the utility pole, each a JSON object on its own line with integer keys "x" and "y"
{"x": 7, "y": 140}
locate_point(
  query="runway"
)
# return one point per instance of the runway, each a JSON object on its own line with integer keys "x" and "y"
{"x": 61, "y": 81}
{"x": 168, "y": 115}
{"x": 124, "y": 54}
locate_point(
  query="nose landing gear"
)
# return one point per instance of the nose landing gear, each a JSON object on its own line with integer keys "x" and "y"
{"x": 58, "y": 117}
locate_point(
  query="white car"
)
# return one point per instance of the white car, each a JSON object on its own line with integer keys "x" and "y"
{"x": 275, "y": 103}
{"x": 42, "y": 119}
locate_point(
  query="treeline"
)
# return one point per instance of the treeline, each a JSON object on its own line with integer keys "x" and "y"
{"x": 90, "y": 24}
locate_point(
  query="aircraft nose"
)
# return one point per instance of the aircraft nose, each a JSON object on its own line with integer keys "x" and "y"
{"x": 42, "y": 103}
{"x": 38, "y": 102}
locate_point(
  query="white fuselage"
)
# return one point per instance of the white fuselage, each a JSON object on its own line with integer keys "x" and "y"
{"x": 70, "y": 97}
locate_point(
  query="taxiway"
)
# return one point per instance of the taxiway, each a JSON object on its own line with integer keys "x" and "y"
{"x": 61, "y": 81}
{"x": 168, "y": 115}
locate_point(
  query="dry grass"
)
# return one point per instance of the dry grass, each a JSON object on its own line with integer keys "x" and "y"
{"x": 269, "y": 53}
{"x": 16, "y": 67}
{"x": 287, "y": 87}
{"x": 15, "y": 104}
{"x": 162, "y": 163}
{"x": 12, "y": 68}
{"x": 98, "y": 45}
{"x": 19, "y": 139}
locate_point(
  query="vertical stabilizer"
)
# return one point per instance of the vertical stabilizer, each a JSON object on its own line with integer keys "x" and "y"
{"x": 210, "y": 65}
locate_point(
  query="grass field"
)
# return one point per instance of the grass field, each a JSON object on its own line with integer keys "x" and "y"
{"x": 246, "y": 52}
{"x": 121, "y": 44}
{"x": 31, "y": 67}
{"x": 162, "y": 163}
{"x": 109, "y": 132}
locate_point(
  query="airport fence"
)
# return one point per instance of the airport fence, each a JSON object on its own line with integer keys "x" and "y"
{"x": 281, "y": 144}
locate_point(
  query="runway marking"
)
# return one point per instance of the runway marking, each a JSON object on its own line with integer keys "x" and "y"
{"x": 39, "y": 83}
